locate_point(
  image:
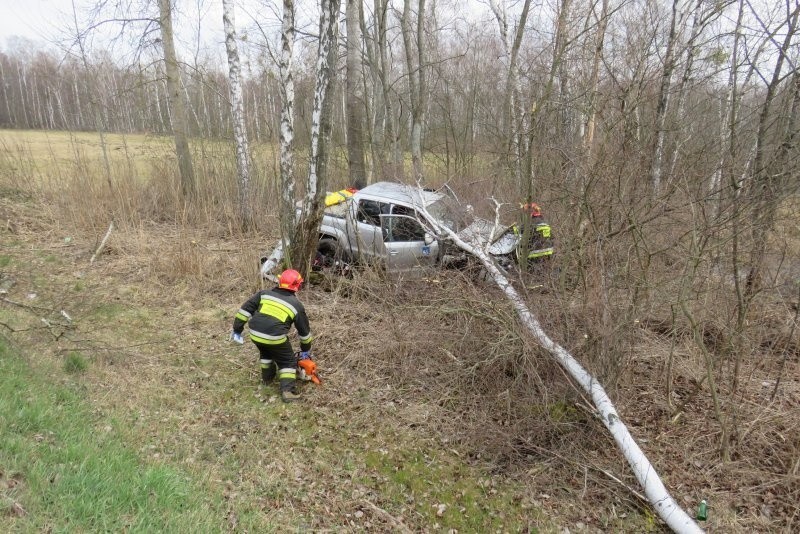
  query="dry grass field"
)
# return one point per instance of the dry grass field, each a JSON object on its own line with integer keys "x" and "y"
{"x": 437, "y": 413}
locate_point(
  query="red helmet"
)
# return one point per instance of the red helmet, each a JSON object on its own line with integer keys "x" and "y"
{"x": 290, "y": 279}
{"x": 532, "y": 209}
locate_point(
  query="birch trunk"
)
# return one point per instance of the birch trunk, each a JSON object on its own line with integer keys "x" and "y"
{"x": 237, "y": 114}
{"x": 287, "y": 125}
{"x": 658, "y": 496}
{"x": 373, "y": 105}
{"x": 178, "y": 110}
{"x": 698, "y": 20}
{"x": 306, "y": 233}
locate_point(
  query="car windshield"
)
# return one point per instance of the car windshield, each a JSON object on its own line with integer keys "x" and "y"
{"x": 448, "y": 212}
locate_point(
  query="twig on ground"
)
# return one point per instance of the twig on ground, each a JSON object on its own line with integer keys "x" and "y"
{"x": 28, "y": 306}
{"x": 102, "y": 243}
{"x": 397, "y": 523}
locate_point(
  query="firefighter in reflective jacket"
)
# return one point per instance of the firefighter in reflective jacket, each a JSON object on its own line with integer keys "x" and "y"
{"x": 540, "y": 242}
{"x": 271, "y": 313}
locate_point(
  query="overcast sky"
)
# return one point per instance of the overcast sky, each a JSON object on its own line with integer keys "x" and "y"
{"x": 45, "y": 20}
{"x": 30, "y": 18}
{"x": 48, "y": 20}
{"x": 51, "y": 21}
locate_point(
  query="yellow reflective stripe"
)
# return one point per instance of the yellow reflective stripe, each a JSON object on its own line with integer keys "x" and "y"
{"x": 544, "y": 230}
{"x": 285, "y": 373}
{"x": 275, "y": 309}
{"x": 267, "y": 341}
{"x": 242, "y": 316}
{"x": 307, "y": 339}
{"x": 540, "y": 253}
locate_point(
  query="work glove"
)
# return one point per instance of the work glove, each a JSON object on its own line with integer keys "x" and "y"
{"x": 305, "y": 355}
{"x": 237, "y": 338}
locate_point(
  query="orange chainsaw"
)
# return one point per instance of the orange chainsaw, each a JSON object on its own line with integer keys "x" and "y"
{"x": 307, "y": 369}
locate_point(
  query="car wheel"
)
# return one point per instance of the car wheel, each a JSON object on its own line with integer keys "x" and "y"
{"x": 331, "y": 258}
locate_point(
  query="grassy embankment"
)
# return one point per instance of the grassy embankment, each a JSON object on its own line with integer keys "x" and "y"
{"x": 64, "y": 468}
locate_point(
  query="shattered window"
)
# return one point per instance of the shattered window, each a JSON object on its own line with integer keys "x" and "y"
{"x": 370, "y": 211}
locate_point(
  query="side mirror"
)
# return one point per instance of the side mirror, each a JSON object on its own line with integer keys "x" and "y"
{"x": 429, "y": 238}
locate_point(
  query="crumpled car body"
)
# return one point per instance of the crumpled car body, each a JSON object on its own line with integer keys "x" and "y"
{"x": 397, "y": 226}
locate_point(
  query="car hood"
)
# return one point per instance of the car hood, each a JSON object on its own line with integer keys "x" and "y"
{"x": 480, "y": 232}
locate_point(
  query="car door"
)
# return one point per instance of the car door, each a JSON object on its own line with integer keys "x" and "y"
{"x": 368, "y": 233}
{"x": 404, "y": 240}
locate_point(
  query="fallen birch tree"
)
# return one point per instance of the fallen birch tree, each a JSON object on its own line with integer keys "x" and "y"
{"x": 658, "y": 496}
{"x": 272, "y": 261}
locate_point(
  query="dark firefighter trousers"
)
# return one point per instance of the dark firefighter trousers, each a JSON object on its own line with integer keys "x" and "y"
{"x": 280, "y": 356}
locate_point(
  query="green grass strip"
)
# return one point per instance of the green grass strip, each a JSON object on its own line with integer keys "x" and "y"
{"x": 62, "y": 470}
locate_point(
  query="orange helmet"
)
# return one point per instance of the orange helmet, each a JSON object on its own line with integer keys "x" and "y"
{"x": 290, "y": 279}
{"x": 532, "y": 209}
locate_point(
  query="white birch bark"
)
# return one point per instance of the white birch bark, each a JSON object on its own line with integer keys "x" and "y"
{"x": 665, "y": 506}
{"x": 306, "y": 231}
{"x": 237, "y": 112}
{"x": 272, "y": 262}
{"x": 729, "y": 115}
{"x": 287, "y": 122}
{"x": 328, "y": 33}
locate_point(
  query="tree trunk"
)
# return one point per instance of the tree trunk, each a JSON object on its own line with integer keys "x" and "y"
{"x": 415, "y": 66}
{"x": 354, "y": 98}
{"x": 663, "y": 102}
{"x": 588, "y": 137}
{"x": 178, "y": 110}
{"x": 763, "y": 186}
{"x": 287, "y": 126}
{"x": 237, "y": 114}
{"x": 383, "y": 66}
{"x": 513, "y": 114}
{"x": 535, "y": 109}
{"x": 307, "y": 229}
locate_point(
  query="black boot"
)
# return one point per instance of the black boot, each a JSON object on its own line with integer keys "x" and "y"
{"x": 289, "y": 390}
{"x": 268, "y": 371}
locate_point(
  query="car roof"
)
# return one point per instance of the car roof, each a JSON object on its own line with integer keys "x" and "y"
{"x": 409, "y": 194}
